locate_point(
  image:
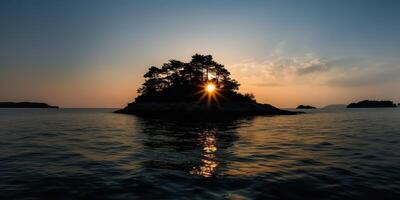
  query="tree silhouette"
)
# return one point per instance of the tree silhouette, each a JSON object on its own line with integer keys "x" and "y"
{"x": 180, "y": 81}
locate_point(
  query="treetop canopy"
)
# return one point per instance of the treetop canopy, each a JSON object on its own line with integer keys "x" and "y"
{"x": 180, "y": 81}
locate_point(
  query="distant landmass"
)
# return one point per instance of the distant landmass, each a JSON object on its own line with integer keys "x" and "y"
{"x": 305, "y": 107}
{"x": 372, "y": 104}
{"x": 25, "y": 105}
{"x": 335, "y": 106}
{"x": 201, "y": 87}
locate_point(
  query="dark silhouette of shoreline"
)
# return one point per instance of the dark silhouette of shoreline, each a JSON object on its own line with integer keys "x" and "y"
{"x": 25, "y": 105}
{"x": 335, "y": 106}
{"x": 185, "y": 110}
{"x": 372, "y": 104}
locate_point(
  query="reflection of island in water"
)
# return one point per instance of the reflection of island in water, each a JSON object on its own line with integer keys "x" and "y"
{"x": 195, "y": 147}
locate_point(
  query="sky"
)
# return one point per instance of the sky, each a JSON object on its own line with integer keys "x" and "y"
{"x": 93, "y": 53}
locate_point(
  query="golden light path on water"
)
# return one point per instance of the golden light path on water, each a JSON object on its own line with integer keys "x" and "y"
{"x": 208, "y": 163}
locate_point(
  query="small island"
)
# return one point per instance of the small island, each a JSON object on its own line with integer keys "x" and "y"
{"x": 335, "y": 106}
{"x": 372, "y": 104}
{"x": 305, "y": 107}
{"x": 201, "y": 87}
{"x": 25, "y": 105}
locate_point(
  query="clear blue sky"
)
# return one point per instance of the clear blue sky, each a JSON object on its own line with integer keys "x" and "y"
{"x": 78, "y": 53}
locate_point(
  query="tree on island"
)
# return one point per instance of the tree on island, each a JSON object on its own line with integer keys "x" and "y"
{"x": 178, "y": 81}
{"x": 199, "y": 88}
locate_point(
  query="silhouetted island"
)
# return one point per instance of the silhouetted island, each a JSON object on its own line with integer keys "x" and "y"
{"x": 335, "y": 106}
{"x": 197, "y": 88}
{"x": 305, "y": 107}
{"x": 372, "y": 104}
{"x": 25, "y": 105}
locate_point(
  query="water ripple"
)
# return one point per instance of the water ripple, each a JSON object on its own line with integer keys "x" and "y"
{"x": 94, "y": 154}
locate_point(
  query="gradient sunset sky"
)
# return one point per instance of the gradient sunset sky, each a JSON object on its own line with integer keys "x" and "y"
{"x": 78, "y": 53}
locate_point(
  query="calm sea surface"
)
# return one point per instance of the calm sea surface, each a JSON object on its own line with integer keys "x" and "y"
{"x": 95, "y": 154}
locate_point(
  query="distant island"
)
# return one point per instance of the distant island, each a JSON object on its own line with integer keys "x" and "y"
{"x": 25, "y": 105}
{"x": 372, "y": 104}
{"x": 335, "y": 106}
{"x": 305, "y": 107}
{"x": 197, "y": 88}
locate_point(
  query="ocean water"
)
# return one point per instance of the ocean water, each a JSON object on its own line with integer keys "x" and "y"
{"x": 95, "y": 154}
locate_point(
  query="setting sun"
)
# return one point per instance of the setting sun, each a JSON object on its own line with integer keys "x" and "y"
{"x": 210, "y": 87}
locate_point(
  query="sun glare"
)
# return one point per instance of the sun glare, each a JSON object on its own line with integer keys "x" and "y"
{"x": 210, "y": 87}
{"x": 210, "y": 92}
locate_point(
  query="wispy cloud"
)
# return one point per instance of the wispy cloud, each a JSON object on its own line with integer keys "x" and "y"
{"x": 364, "y": 75}
{"x": 313, "y": 70}
{"x": 279, "y": 71}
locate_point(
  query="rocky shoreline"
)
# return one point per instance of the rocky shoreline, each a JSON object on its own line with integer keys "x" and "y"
{"x": 192, "y": 109}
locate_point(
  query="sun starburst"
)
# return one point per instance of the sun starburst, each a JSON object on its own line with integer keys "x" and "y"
{"x": 211, "y": 93}
{"x": 210, "y": 87}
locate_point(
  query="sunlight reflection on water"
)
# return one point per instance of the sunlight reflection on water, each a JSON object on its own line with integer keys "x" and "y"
{"x": 208, "y": 163}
